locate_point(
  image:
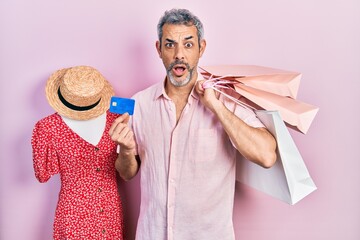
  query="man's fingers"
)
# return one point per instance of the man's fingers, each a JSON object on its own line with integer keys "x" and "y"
{"x": 200, "y": 83}
{"x": 199, "y": 87}
{"x": 126, "y": 139}
{"x": 122, "y": 134}
{"x": 122, "y": 119}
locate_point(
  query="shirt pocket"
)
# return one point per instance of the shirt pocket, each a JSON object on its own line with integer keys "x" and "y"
{"x": 203, "y": 145}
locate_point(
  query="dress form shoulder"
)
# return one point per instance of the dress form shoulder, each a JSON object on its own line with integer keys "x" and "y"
{"x": 90, "y": 130}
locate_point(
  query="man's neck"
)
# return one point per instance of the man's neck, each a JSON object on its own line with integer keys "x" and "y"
{"x": 179, "y": 92}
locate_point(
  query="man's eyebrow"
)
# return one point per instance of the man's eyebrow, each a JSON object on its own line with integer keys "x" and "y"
{"x": 170, "y": 40}
{"x": 173, "y": 41}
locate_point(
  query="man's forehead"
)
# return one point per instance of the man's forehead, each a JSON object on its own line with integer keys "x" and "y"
{"x": 179, "y": 32}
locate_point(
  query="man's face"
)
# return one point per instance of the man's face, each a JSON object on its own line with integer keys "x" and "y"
{"x": 180, "y": 52}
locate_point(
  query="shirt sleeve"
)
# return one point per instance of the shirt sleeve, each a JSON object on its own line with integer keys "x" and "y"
{"x": 45, "y": 158}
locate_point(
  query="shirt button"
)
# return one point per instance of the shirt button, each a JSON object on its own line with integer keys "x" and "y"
{"x": 103, "y": 231}
{"x": 101, "y": 210}
{"x": 98, "y": 169}
{"x": 96, "y": 149}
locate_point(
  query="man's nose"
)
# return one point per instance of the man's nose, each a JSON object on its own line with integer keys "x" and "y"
{"x": 179, "y": 53}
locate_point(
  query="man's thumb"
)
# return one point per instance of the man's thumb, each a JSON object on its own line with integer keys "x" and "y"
{"x": 127, "y": 118}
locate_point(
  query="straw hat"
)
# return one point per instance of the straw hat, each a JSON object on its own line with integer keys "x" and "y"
{"x": 79, "y": 93}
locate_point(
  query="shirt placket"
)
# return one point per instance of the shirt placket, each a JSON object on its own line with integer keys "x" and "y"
{"x": 172, "y": 188}
{"x": 174, "y": 165}
{"x": 172, "y": 177}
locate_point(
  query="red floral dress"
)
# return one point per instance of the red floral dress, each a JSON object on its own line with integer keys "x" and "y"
{"x": 89, "y": 205}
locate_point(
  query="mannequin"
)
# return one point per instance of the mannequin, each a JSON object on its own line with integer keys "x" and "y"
{"x": 81, "y": 127}
{"x": 74, "y": 142}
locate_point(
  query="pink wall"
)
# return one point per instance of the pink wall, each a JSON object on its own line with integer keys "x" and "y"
{"x": 318, "y": 38}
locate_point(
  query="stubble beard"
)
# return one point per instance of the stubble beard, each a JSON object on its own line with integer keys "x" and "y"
{"x": 172, "y": 78}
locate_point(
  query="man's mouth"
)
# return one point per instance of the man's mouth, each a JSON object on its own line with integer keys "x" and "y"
{"x": 179, "y": 70}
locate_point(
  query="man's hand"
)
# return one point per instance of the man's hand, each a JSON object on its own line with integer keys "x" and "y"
{"x": 255, "y": 144}
{"x": 208, "y": 96}
{"x": 122, "y": 134}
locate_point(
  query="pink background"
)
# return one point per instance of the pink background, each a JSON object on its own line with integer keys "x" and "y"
{"x": 320, "y": 39}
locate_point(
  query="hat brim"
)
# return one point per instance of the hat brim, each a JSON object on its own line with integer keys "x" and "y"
{"x": 51, "y": 91}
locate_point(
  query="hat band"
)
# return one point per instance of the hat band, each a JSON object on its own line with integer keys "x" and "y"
{"x": 74, "y": 107}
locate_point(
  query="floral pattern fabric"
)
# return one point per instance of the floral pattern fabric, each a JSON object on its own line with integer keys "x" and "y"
{"x": 89, "y": 204}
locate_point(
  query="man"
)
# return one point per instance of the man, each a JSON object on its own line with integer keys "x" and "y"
{"x": 186, "y": 138}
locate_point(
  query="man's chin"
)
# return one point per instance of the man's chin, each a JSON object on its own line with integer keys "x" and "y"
{"x": 179, "y": 82}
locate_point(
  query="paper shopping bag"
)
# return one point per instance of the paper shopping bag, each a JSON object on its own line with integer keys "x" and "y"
{"x": 288, "y": 180}
{"x": 265, "y": 88}
{"x": 277, "y": 81}
{"x": 297, "y": 114}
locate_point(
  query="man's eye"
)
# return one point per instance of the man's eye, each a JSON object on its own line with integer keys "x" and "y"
{"x": 188, "y": 45}
{"x": 169, "y": 45}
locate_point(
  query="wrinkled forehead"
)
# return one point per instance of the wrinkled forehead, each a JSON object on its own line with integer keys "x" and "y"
{"x": 179, "y": 32}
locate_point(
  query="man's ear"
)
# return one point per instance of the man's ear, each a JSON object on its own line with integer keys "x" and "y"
{"x": 158, "y": 47}
{"x": 202, "y": 46}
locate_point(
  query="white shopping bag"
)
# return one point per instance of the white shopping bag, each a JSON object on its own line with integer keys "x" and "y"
{"x": 289, "y": 179}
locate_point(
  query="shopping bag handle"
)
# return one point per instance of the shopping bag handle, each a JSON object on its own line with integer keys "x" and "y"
{"x": 216, "y": 84}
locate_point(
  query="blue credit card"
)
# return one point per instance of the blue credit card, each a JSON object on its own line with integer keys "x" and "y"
{"x": 122, "y": 105}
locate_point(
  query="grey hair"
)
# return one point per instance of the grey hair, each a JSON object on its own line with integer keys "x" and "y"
{"x": 179, "y": 17}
